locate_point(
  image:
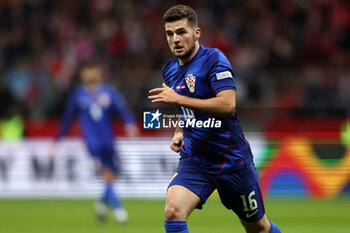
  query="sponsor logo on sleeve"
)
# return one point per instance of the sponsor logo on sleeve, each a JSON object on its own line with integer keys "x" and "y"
{"x": 222, "y": 75}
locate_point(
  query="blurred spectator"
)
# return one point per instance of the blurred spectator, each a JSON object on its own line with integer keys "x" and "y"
{"x": 273, "y": 46}
{"x": 11, "y": 129}
{"x": 6, "y": 99}
{"x": 12, "y": 126}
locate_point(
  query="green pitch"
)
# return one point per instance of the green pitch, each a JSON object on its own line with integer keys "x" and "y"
{"x": 76, "y": 216}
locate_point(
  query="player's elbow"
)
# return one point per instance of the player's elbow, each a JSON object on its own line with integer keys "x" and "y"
{"x": 227, "y": 103}
{"x": 232, "y": 112}
{"x": 229, "y": 111}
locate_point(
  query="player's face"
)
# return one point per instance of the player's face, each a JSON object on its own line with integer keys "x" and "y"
{"x": 182, "y": 39}
{"x": 90, "y": 76}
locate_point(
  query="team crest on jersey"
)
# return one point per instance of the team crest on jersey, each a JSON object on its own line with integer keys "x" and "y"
{"x": 104, "y": 100}
{"x": 191, "y": 82}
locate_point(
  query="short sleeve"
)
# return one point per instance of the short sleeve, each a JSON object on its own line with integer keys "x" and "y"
{"x": 221, "y": 76}
{"x": 166, "y": 70}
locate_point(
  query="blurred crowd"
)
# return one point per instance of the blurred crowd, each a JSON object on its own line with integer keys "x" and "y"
{"x": 284, "y": 52}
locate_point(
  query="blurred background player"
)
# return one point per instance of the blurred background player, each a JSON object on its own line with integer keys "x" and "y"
{"x": 95, "y": 104}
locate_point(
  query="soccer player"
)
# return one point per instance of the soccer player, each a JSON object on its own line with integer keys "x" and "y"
{"x": 95, "y": 104}
{"x": 211, "y": 158}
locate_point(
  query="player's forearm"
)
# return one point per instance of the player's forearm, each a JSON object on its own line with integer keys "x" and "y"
{"x": 216, "y": 106}
{"x": 223, "y": 104}
{"x": 64, "y": 127}
{"x": 178, "y": 129}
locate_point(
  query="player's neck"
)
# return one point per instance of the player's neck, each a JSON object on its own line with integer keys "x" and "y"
{"x": 93, "y": 87}
{"x": 189, "y": 58}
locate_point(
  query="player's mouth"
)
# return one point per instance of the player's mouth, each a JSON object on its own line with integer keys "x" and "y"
{"x": 178, "y": 49}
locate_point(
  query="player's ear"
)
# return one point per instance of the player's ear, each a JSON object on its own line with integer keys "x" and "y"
{"x": 197, "y": 33}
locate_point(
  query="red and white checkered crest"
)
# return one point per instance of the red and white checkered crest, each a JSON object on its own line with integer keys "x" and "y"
{"x": 191, "y": 82}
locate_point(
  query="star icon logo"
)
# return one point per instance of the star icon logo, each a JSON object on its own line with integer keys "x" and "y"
{"x": 151, "y": 119}
{"x": 156, "y": 115}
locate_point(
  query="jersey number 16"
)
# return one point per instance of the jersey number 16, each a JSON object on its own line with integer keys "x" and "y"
{"x": 253, "y": 204}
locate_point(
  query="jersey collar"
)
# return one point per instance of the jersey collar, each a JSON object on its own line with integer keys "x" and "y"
{"x": 198, "y": 54}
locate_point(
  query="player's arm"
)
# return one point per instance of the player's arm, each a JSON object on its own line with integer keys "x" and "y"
{"x": 223, "y": 104}
{"x": 120, "y": 108}
{"x": 67, "y": 118}
{"x": 178, "y": 139}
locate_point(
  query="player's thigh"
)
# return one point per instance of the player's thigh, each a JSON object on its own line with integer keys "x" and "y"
{"x": 189, "y": 189}
{"x": 180, "y": 202}
{"x": 194, "y": 179}
{"x": 108, "y": 163}
{"x": 240, "y": 191}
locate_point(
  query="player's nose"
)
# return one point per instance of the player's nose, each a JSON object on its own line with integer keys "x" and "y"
{"x": 176, "y": 38}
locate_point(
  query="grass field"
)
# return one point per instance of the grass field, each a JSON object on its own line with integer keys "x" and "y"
{"x": 76, "y": 216}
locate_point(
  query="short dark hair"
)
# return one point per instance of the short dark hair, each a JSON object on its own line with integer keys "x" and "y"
{"x": 88, "y": 64}
{"x": 179, "y": 12}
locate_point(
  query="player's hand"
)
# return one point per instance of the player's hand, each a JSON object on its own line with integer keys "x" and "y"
{"x": 177, "y": 142}
{"x": 164, "y": 94}
{"x": 53, "y": 151}
{"x": 131, "y": 130}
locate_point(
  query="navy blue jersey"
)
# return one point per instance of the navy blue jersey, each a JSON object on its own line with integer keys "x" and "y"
{"x": 218, "y": 150}
{"x": 95, "y": 112}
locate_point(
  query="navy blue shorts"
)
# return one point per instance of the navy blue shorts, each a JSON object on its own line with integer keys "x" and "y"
{"x": 239, "y": 190}
{"x": 106, "y": 158}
